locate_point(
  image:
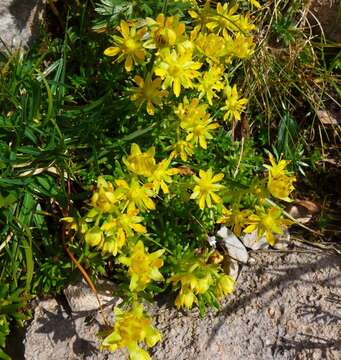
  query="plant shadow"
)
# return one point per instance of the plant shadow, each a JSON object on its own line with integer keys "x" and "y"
{"x": 282, "y": 278}
{"x": 61, "y": 327}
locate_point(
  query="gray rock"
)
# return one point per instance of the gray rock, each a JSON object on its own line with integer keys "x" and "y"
{"x": 55, "y": 334}
{"x": 19, "y": 22}
{"x": 81, "y": 298}
{"x": 272, "y": 314}
{"x": 285, "y": 307}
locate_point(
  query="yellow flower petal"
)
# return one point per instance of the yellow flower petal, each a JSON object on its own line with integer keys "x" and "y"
{"x": 111, "y": 51}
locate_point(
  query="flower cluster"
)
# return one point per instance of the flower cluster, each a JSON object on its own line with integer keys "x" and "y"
{"x": 131, "y": 328}
{"x": 196, "y": 277}
{"x": 116, "y": 210}
{"x": 143, "y": 267}
{"x": 266, "y": 221}
{"x": 172, "y": 57}
{"x": 112, "y": 225}
{"x": 178, "y": 70}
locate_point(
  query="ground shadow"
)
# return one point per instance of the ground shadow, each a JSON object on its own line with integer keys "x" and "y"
{"x": 286, "y": 276}
{"x": 308, "y": 343}
{"x": 21, "y": 11}
{"x": 61, "y": 327}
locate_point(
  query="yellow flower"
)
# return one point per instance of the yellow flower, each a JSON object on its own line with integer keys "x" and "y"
{"x": 255, "y": 3}
{"x": 129, "y": 46}
{"x": 177, "y": 70}
{"x": 112, "y": 235}
{"x": 162, "y": 175}
{"x": 106, "y": 241}
{"x": 190, "y": 112}
{"x": 136, "y": 195}
{"x": 236, "y": 218}
{"x": 234, "y": 105}
{"x": 225, "y": 18}
{"x": 165, "y": 31}
{"x": 143, "y": 267}
{"x": 195, "y": 121}
{"x": 268, "y": 223}
{"x": 199, "y": 132}
{"x": 94, "y": 236}
{"x": 118, "y": 229}
{"x": 205, "y": 189}
{"x": 196, "y": 277}
{"x": 240, "y": 46}
{"x": 131, "y": 328}
{"x": 210, "y": 83}
{"x": 125, "y": 224}
{"x": 201, "y": 15}
{"x": 186, "y": 298}
{"x": 183, "y": 149}
{"x": 244, "y": 24}
{"x": 212, "y": 46}
{"x": 225, "y": 286}
{"x": 280, "y": 185}
{"x": 196, "y": 281}
{"x": 140, "y": 163}
{"x": 277, "y": 169}
{"x": 148, "y": 91}
{"x": 112, "y": 244}
{"x": 105, "y": 198}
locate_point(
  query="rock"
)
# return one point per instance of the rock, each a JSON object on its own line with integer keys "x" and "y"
{"x": 326, "y": 12}
{"x": 55, "y": 334}
{"x": 233, "y": 269}
{"x": 212, "y": 241}
{"x": 327, "y": 118}
{"x": 267, "y": 317}
{"x": 233, "y": 245}
{"x": 285, "y": 307}
{"x": 81, "y": 298}
{"x": 299, "y": 213}
{"x": 19, "y": 22}
{"x": 252, "y": 241}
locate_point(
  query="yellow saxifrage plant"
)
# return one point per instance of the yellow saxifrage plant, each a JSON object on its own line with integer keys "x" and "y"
{"x": 194, "y": 60}
{"x": 140, "y": 163}
{"x": 149, "y": 92}
{"x": 234, "y": 105}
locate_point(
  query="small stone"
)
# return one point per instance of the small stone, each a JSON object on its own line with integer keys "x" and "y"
{"x": 19, "y": 22}
{"x": 271, "y": 312}
{"x": 252, "y": 241}
{"x": 81, "y": 298}
{"x": 234, "y": 246}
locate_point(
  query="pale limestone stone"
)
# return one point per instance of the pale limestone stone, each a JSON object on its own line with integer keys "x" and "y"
{"x": 19, "y": 22}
